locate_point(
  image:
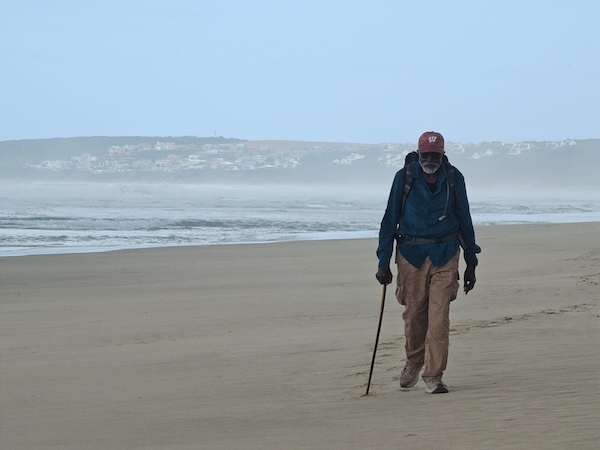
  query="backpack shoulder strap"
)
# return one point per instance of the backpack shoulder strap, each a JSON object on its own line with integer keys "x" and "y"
{"x": 408, "y": 182}
{"x": 450, "y": 170}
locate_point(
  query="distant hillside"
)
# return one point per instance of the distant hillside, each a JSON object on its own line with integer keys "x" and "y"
{"x": 24, "y": 151}
{"x": 188, "y": 159}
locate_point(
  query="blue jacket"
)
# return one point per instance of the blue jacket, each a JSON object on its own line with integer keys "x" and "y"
{"x": 428, "y": 215}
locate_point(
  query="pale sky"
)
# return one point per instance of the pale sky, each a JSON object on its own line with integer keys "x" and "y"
{"x": 365, "y": 71}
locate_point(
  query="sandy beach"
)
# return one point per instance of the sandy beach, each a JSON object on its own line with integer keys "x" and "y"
{"x": 269, "y": 346}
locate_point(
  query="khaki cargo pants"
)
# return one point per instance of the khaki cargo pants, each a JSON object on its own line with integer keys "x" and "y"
{"x": 426, "y": 294}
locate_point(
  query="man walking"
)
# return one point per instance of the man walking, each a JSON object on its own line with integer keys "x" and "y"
{"x": 428, "y": 215}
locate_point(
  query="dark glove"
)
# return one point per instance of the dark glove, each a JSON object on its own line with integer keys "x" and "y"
{"x": 384, "y": 275}
{"x": 469, "y": 278}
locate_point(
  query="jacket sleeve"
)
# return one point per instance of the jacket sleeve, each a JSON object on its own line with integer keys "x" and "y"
{"x": 389, "y": 224}
{"x": 465, "y": 222}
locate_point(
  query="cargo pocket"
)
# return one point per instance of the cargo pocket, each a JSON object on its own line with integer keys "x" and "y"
{"x": 455, "y": 286}
{"x": 401, "y": 284}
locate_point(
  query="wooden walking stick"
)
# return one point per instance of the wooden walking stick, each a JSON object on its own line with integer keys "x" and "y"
{"x": 377, "y": 337}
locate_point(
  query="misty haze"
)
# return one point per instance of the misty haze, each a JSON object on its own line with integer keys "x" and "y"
{"x": 93, "y": 194}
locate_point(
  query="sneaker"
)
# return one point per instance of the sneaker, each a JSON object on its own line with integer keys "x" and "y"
{"x": 436, "y": 386}
{"x": 409, "y": 376}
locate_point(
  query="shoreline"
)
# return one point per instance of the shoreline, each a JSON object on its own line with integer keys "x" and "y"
{"x": 269, "y": 346}
{"x": 351, "y": 235}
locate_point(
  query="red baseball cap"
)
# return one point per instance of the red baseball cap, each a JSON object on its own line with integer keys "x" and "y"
{"x": 431, "y": 141}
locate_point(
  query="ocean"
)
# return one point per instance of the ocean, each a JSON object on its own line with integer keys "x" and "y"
{"x": 42, "y": 218}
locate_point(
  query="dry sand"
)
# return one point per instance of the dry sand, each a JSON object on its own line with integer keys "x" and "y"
{"x": 269, "y": 346}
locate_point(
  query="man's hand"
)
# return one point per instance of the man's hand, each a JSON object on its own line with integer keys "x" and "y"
{"x": 469, "y": 279}
{"x": 384, "y": 275}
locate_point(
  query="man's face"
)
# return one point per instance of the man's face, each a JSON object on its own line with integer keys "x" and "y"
{"x": 430, "y": 161}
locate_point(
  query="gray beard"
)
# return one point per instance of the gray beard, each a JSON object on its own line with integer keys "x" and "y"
{"x": 430, "y": 168}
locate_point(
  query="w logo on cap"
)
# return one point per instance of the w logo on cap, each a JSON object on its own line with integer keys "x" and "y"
{"x": 431, "y": 141}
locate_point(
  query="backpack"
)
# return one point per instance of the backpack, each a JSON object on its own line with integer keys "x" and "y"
{"x": 410, "y": 162}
